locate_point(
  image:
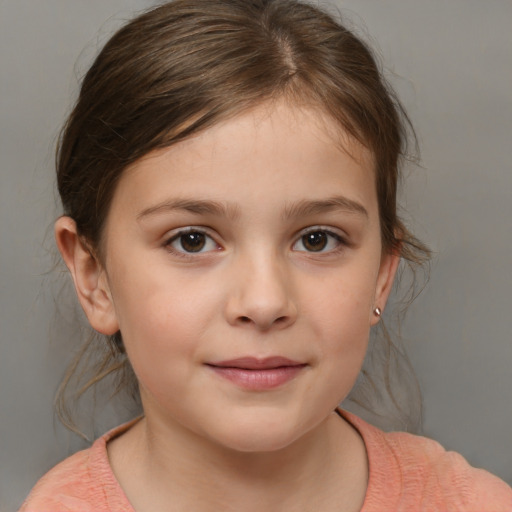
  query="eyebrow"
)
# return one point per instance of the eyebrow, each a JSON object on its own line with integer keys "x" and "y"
{"x": 302, "y": 208}
{"x": 307, "y": 207}
{"x": 199, "y": 207}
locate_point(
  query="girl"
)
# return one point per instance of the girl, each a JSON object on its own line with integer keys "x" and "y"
{"x": 229, "y": 179}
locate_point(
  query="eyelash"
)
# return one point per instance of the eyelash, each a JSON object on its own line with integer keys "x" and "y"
{"x": 341, "y": 242}
{"x": 188, "y": 254}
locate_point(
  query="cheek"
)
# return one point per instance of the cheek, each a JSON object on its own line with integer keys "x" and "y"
{"x": 160, "y": 317}
{"x": 161, "y": 340}
{"x": 339, "y": 318}
{"x": 346, "y": 332}
{"x": 342, "y": 303}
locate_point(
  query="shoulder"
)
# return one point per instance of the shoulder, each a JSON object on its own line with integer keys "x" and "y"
{"x": 63, "y": 488}
{"x": 446, "y": 476}
{"x": 414, "y": 472}
{"x": 83, "y": 482}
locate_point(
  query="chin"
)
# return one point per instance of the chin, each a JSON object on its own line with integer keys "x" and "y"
{"x": 260, "y": 442}
{"x": 258, "y": 435}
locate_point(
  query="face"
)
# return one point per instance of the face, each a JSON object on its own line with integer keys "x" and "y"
{"x": 242, "y": 267}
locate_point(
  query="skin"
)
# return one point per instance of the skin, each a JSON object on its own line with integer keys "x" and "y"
{"x": 255, "y": 288}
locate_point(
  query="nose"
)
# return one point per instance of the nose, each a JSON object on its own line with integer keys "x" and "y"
{"x": 261, "y": 296}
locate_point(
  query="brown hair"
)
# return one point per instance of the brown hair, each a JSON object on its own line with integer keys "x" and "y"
{"x": 186, "y": 65}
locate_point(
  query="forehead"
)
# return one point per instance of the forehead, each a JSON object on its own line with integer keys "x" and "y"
{"x": 275, "y": 152}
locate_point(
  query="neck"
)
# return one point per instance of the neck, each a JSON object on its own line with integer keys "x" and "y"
{"x": 323, "y": 470}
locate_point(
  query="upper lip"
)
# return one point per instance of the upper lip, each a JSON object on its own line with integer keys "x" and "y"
{"x": 255, "y": 363}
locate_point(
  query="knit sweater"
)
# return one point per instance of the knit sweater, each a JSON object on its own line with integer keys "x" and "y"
{"x": 406, "y": 473}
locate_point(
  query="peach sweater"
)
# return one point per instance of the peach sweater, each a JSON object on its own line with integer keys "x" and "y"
{"x": 406, "y": 473}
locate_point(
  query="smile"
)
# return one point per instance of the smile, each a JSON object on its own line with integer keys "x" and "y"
{"x": 255, "y": 374}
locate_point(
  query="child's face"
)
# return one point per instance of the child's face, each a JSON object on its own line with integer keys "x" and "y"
{"x": 257, "y": 239}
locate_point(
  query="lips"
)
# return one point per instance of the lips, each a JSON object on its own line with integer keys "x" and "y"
{"x": 253, "y": 363}
{"x": 256, "y": 374}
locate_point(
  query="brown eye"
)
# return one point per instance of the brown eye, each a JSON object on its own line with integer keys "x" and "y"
{"x": 192, "y": 242}
{"x": 319, "y": 240}
{"x": 315, "y": 241}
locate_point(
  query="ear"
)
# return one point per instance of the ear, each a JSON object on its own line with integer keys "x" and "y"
{"x": 388, "y": 267}
{"x": 88, "y": 276}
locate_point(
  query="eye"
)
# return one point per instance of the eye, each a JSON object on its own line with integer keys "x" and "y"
{"x": 318, "y": 240}
{"x": 192, "y": 241}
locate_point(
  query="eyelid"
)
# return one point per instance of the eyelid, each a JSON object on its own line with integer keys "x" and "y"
{"x": 337, "y": 232}
{"x": 175, "y": 234}
{"x": 338, "y": 235}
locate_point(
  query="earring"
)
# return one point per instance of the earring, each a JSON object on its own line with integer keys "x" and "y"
{"x": 377, "y": 311}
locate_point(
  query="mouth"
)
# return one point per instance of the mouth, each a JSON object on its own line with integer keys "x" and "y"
{"x": 254, "y": 374}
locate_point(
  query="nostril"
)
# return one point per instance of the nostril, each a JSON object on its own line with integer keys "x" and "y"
{"x": 247, "y": 320}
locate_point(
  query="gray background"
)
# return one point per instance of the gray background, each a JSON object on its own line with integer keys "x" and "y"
{"x": 451, "y": 63}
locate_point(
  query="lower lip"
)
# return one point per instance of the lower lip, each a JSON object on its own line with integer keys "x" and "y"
{"x": 259, "y": 380}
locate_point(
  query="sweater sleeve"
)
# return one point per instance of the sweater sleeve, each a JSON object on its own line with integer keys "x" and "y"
{"x": 83, "y": 482}
{"x": 410, "y": 473}
{"x": 443, "y": 480}
{"x": 67, "y": 487}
